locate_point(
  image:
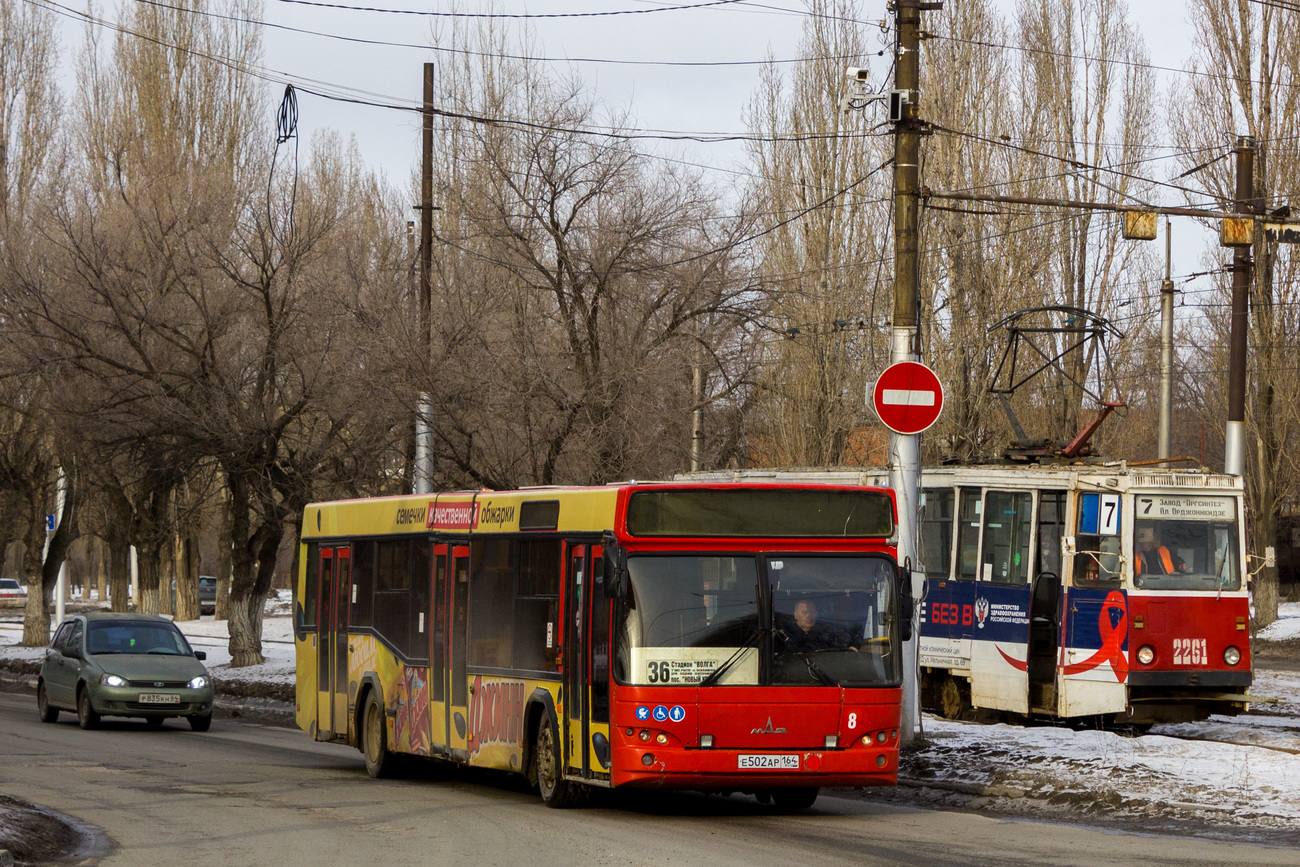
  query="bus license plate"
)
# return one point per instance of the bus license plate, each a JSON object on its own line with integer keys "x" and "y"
{"x": 769, "y": 762}
{"x": 159, "y": 698}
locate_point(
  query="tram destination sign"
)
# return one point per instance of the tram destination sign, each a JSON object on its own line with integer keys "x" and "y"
{"x": 1187, "y": 508}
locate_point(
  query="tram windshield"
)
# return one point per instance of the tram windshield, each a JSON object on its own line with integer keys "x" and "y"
{"x": 705, "y": 619}
{"x": 1186, "y": 543}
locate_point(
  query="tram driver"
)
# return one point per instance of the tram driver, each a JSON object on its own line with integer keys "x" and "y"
{"x": 1154, "y": 558}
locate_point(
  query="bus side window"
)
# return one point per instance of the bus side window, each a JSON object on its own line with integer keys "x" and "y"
{"x": 936, "y": 531}
{"x": 307, "y": 609}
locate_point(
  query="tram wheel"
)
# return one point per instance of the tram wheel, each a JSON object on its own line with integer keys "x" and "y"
{"x": 555, "y": 790}
{"x": 952, "y": 703}
{"x": 380, "y": 762}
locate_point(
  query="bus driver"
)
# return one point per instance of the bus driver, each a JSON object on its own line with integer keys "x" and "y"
{"x": 808, "y": 636}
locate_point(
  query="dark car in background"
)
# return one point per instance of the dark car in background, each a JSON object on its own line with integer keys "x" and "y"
{"x": 207, "y": 594}
{"x": 132, "y": 665}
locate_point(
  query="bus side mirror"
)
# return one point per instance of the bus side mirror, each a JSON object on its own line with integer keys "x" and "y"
{"x": 905, "y": 601}
{"x": 615, "y": 567}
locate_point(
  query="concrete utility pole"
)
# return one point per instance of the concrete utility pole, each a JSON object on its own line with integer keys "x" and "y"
{"x": 904, "y": 341}
{"x": 423, "y": 429}
{"x": 1234, "y": 451}
{"x": 1166, "y": 350}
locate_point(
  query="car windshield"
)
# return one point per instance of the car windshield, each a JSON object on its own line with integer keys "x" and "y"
{"x": 156, "y": 638}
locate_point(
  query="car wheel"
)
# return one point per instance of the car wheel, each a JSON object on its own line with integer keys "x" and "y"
{"x": 86, "y": 715}
{"x": 48, "y": 714}
{"x": 153, "y": 721}
{"x": 380, "y": 761}
{"x": 800, "y": 798}
{"x": 201, "y": 723}
{"x": 555, "y": 790}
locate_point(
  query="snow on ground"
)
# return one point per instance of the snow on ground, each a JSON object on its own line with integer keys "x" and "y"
{"x": 1226, "y": 775}
{"x": 206, "y": 634}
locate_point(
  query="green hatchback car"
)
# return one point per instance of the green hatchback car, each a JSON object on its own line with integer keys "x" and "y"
{"x": 133, "y": 665}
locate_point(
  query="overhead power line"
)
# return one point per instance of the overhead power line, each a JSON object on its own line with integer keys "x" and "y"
{"x": 527, "y": 16}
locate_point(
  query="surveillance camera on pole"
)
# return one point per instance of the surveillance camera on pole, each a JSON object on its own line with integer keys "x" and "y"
{"x": 858, "y": 95}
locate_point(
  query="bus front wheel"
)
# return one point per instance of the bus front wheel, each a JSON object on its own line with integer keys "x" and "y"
{"x": 555, "y": 790}
{"x": 374, "y": 738}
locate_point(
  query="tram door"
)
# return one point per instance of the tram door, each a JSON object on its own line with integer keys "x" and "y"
{"x": 458, "y": 704}
{"x": 1000, "y": 649}
{"x": 1094, "y": 666}
{"x": 332, "y": 643}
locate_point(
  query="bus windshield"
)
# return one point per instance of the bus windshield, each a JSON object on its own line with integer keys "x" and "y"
{"x": 1181, "y": 554}
{"x": 820, "y": 620}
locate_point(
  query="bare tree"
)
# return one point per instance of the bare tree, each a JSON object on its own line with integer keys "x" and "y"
{"x": 1248, "y": 61}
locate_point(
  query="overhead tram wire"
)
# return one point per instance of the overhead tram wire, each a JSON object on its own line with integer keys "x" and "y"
{"x": 467, "y": 52}
{"x": 377, "y": 101}
{"x": 516, "y": 16}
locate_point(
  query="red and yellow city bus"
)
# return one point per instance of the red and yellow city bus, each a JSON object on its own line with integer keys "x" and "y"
{"x": 641, "y": 635}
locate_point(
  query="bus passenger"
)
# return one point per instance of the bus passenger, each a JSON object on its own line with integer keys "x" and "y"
{"x": 1154, "y": 558}
{"x": 808, "y": 636}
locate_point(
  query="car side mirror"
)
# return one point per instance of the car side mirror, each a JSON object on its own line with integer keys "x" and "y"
{"x": 200, "y": 655}
{"x": 72, "y": 653}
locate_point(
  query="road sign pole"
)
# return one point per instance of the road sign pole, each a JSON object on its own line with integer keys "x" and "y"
{"x": 905, "y": 479}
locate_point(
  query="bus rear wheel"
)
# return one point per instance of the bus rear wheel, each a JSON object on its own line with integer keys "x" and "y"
{"x": 555, "y": 790}
{"x": 380, "y": 762}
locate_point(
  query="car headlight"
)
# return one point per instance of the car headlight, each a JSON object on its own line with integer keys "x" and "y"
{"x": 1146, "y": 654}
{"x": 1232, "y": 656}
{"x": 198, "y": 682}
{"x": 113, "y": 680}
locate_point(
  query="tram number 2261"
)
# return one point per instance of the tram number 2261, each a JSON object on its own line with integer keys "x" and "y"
{"x": 1189, "y": 651}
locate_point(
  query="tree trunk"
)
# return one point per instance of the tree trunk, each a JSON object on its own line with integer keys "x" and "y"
{"x": 43, "y": 575}
{"x": 168, "y": 577}
{"x": 223, "y": 560}
{"x": 148, "y": 596}
{"x": 119, "y": 570}
{"x": 187, "y": 577}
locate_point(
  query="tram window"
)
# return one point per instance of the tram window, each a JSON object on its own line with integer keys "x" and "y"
{"x": 1007, "y": 521}
{"x": 936, "y": 531}
{"x": 1051, "y": 526}
{"x": 307, "y": 608}
{"x": 969, "y": 533}
{"x": 363, "y": 579}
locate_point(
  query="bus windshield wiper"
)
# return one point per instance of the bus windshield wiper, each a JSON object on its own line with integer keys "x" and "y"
{"x": 813, "y": 667}
{"x": 717, "y": 673}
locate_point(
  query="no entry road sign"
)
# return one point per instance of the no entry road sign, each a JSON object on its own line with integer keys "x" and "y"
{"x": 908, "y": 397}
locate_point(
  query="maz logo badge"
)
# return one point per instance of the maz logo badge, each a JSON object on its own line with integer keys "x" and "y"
{"x": 767, "y": 731}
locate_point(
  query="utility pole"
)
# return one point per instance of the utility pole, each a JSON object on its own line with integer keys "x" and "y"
{"x": 1166, "y": 350}
{"x": 904, "y": 343}
{"x": 1234, "y": 451}
{"x": 423, "y": 427}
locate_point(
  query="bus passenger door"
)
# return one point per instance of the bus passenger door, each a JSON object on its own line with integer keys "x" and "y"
{"x": 574, "y": 659}
{"x": 438, "y": 622}
{"x": 332, "y": 644}
{"x": 457, "y": 716}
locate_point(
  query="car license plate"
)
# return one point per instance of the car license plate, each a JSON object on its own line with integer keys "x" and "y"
{"x": 159, "y": 698}
{"x": 768, "y": 762}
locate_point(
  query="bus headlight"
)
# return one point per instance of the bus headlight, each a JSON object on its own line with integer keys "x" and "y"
{"x": 1232, "y": 656}
{"x": 1146, "y": 654}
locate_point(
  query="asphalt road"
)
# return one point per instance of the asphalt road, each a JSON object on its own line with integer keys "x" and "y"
{"x": 251, "y": 794}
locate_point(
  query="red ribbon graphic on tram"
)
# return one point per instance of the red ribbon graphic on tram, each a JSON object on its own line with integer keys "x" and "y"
{"x": 1112, "y": 639}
